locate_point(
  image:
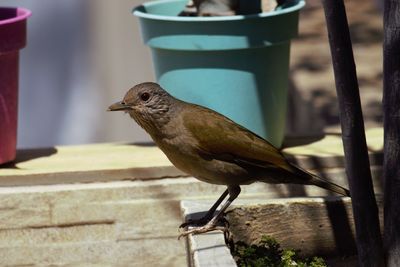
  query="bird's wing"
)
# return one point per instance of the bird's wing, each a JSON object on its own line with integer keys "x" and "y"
{"x": 219, "y": 137}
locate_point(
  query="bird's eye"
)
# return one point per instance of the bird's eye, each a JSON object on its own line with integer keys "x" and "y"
{"x": 145, "y": 96}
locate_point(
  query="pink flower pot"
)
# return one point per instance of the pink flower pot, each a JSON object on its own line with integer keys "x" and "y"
{"x": 12, "y": 39}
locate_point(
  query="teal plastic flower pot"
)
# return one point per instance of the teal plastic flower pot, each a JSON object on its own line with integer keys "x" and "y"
{"x": 236, "y": 65}
{"x": 12, "y": 39}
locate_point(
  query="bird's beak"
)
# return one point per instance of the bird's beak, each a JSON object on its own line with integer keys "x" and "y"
{"x": 119, "y": 106}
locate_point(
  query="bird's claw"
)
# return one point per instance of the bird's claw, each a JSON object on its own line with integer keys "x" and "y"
{"x": 222, "y": 224}
{"x": 202, "y": 221}
{"x": 202, "y": 229}
{"x": 193, "y": 222}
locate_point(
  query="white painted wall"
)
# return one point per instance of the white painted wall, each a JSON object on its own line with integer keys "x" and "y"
{"x": 81, "y": 56}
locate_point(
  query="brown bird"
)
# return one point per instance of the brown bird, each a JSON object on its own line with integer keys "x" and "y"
{"x": 211, "y": 147}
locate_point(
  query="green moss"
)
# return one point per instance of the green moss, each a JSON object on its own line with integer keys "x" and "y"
{"x": 268, "y": 253}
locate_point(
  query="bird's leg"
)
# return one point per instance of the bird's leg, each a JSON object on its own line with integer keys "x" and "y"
{"x": 233, "y": 191}
{"x": 210, "y": 213}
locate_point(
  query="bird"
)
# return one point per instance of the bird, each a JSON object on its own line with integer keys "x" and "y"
{"x": 212, "y": 148}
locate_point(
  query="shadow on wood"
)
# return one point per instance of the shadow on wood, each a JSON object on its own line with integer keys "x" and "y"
{"x": 29, "y": 154}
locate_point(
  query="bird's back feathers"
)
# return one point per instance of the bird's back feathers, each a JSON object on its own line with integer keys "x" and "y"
{"x": 222, "y": 139}
{"x": 218, "y": 135}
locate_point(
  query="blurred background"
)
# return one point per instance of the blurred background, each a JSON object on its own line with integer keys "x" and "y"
{"x": 84, "y": 55}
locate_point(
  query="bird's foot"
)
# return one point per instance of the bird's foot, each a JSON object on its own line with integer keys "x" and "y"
{"x": 212, "y": 225}
{"x": 202, "y": 229}
{"x": 203, "y": 221}
{"x": 195, "y": 222}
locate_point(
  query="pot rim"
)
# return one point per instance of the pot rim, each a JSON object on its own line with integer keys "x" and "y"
{"x": 137, "y": 11}
{"x": 22, "y": 14}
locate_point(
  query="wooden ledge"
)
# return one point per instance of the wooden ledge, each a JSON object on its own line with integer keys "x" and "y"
{"x": 87, "y": 163}
{"x": 328, "y": 151}
{"x": 109, "y": 162}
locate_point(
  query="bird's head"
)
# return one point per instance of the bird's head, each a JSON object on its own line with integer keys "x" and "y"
{"x": 147, "y": 103}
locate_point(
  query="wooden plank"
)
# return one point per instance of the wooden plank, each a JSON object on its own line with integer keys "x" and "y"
{"x": 109, "y": 162}
{"x": 368, "y": 236}
{"x": 105, "y": 253}
{"x": 312, "y": 225}
{"x": 87, "y": 163}
{"x": 315, "y": 226}
{"x": 328, "y": 152}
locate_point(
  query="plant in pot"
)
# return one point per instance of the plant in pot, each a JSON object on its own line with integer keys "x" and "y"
{"x": 237, "y": 65}
{"x": 12, "y": 39}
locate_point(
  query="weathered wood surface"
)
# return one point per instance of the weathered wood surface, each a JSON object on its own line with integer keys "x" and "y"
{"x": 121, "y": 223}
{"x": 316, "y": 226}
{"x": 100, "y": 224}
{"x": 108, "y": 162}
{"x": 391, "y": 104}
{"x": 368, "y": 236}
{"x": 87, "y": 163}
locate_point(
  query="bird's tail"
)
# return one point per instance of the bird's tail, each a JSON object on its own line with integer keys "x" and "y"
{"x": 318, "y": 181}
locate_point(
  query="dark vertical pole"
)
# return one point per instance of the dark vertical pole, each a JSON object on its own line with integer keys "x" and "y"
{"x": 368, "y": 237}
{"x": 391, "y": 107}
